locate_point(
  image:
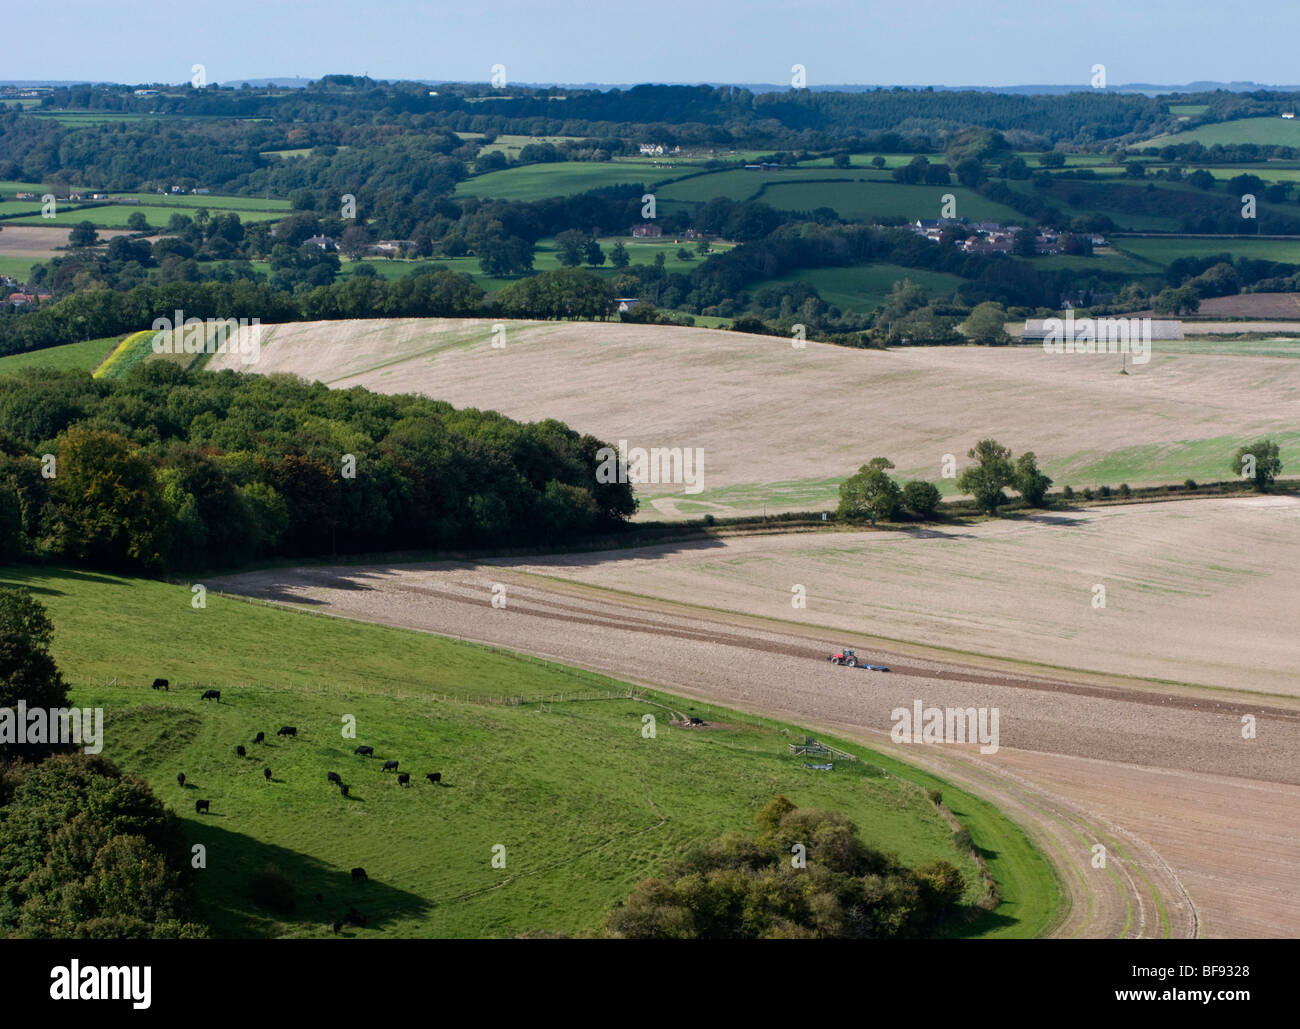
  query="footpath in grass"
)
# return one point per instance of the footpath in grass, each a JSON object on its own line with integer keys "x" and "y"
{"x": 565, "y": 781}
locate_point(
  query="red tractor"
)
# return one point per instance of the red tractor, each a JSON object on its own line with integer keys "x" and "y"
{"x": 844, "y": 657}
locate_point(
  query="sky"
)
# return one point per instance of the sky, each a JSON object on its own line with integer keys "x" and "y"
{"x": 912, "y": 42}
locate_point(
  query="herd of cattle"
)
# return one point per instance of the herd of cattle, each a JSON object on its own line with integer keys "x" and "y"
{"x": 353, "y": 917}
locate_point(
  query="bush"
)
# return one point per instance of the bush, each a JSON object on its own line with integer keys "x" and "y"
{"x": 1124, "y": 490}
{"x": 936, "y": 797}
{"x": 1069, "y": 493}
{"x": 962, "y": 841}
{"x": 1103, "y": 491}
{"x": 1087, "y": 493}
{"x": 272, "y": 889}
{"x": 1189, "y": 484}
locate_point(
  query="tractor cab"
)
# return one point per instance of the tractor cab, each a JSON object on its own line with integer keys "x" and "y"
{"x": 845, "y": 657}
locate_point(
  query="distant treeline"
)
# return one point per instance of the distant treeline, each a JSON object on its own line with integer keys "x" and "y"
{"x": 169, "y": 469}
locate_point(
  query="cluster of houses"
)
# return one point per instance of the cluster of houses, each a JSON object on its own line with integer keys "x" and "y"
{"x": 22, "y": 296}
{"x": 382, "y": 248}
{"x": 994, "y": 238}
{"x": 657, "y": 150}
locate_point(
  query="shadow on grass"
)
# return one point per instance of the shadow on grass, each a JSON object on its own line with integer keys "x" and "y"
{"x": 223, "y": 889}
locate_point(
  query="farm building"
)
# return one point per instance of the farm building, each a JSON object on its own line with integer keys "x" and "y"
{"x": 1037, "y": 330}
{"x": 646, "y": 229}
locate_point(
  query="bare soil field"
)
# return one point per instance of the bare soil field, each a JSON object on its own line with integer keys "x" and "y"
{"x": 1200, "y": 825}
{"x": 41, "y": 241}
{"x": 1196, "y": 591}
{"x": 779, "y": 427}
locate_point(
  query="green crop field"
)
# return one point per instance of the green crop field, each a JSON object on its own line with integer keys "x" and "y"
{"x": 1269, "y": 131}
{"x": 582, "y": 803}
{"x": 561, "y": 178}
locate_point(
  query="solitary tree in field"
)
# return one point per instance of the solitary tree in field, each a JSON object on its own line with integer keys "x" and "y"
{"x": 870, "y": 492}
{"x": 83, "y": 234}
{"x": 1259, "y": 461}
{"x": 570, "y": 243}
{"x": 987, "y": 324}
{"x": 1031, "y": 483}
{"x": 618, "y": 255}
{"x": 986, "y": 479}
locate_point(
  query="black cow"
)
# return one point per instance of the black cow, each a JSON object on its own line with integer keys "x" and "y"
{"x": 266, "y": 773}
{"x": 260, "y": 738}
{"x": 241, "y": 751}
{"x": 288, "y": 730}
{"x": 161, "y": 684}
{"x": 390, "y": 766}
{"x": 365, "y": 751}
{"x": 359, "y": 875}
{"x": 343, "y": 789}
{"x": 434, "y": 777}
{"x": 180, "y": 778}
{"x": 334, "y": 777}
{"x": 211, "y": 695}
{"x": 403, "y": 779}
{"x": 337, "y": 927}
{"x": 200, "y": 806}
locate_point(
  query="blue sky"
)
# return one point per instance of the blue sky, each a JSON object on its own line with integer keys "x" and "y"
{"x": 906, "y": 42}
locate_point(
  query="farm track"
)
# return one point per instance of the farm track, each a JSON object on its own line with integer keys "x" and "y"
{"x": 1139, "y": 769}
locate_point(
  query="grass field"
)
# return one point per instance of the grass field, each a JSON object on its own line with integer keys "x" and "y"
{"x": 1166, "y": 250}
{"x": 862, "y": 287}
{"x": 85, "y": 355}
{"x": 561, "y": 178}
{"x": 1268, "y": 131}
{"x": 583, "y": 804}
{"x": 114, "y": 216}
{"x": 866, "y": 200}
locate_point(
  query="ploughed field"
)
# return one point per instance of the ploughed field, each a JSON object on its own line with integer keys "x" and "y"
{"x": 778, "y": 427}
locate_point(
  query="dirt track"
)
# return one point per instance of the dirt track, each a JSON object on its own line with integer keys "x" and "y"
{"x": 1202, "y": 827}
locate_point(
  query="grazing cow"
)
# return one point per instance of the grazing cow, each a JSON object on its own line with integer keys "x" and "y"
{"x": 210, "y": 695}
{"x": 260, "y": 738}
{"x": 180, "y": 778}
{"x": 200, "y": 806}
{"x": 434, "y": 777}
{"x": 162, "y": 684}
{"x": 334, "y": 777}
{"x": 337, "y": 927}
{"x": 343, "y": 789}
{"x": 403, "y": 779}
{"x": 390, "y": 766}
{"x": 266, "y": 773}
{"x": 365, "y": 751}
{"x": 359, "y": 875}
{"x": 288, "y": 730}
{"x": 241, "y": 751}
